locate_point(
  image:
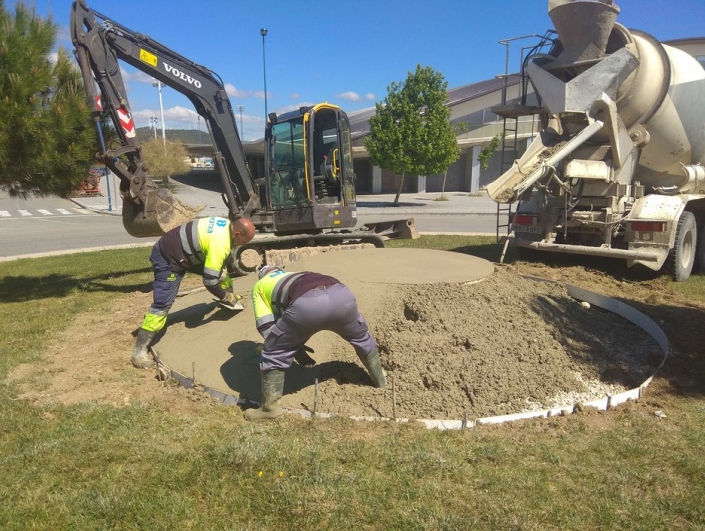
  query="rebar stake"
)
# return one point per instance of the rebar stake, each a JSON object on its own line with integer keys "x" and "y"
{"x": 464, "y": 422}
{"x": 315, "y": 398}
{"x": 193, "y": 373}
{"x": 394, "y": 399}
{"x": 504, "y": 251}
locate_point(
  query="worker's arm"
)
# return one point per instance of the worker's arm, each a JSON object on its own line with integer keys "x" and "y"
{"x": 262, "y": 305}
{"x": 215, "y": 241}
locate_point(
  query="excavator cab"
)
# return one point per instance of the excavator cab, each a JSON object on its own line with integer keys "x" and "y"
{"x": 310, "y": 180}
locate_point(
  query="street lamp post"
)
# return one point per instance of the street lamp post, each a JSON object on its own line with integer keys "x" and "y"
{"x": 153, "y": 125}
{"x": 263, "y": 32}
{"x": 241, "y": 108}
{"x": 159, "y": 84}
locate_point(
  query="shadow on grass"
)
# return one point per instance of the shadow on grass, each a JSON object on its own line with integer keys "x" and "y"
{"x": 490, "y": 251}
{"x": 614, "y": 267}
{"x": 27, "y": 288}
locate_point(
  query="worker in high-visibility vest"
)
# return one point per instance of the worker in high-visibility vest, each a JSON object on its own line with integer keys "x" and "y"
{"x": 290, "y": 308}
{"x": 200, "y": 246}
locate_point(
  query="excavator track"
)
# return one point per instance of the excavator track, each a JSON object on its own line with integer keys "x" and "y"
{"x": 281, "y": 250}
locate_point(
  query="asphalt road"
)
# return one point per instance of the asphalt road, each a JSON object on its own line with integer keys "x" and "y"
{"x": 52, "y": 225}
{"x": 38, "y": 226}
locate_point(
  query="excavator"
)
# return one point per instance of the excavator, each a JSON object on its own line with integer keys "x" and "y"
{"x": 307, "y": 196}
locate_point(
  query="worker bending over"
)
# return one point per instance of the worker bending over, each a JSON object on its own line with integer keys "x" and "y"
{"x": 200, "y": 246}
{"x": 291, "y": 307}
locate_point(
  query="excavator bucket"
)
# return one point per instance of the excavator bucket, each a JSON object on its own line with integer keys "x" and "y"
{"x": 159, "y": 212}
{"x": 402, "y": 229}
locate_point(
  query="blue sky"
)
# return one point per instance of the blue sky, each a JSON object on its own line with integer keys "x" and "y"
{"x": 346, "y": 53}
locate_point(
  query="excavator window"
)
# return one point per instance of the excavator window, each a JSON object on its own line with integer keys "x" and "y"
{"x": 287, "y": 181}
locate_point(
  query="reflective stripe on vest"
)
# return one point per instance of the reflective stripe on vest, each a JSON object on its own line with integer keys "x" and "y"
{"x": 189, "y": 243}
{"x": 280, "y": 293}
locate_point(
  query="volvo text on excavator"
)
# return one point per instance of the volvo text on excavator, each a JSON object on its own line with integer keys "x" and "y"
{"x": 307, "y": 197}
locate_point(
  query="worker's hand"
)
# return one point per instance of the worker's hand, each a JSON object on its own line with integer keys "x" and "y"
{"x": 230, "y": 301}
{"x": 258, "y": 349}
{"x": 302, "y": 357}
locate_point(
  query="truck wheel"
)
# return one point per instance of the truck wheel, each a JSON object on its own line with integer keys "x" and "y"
{"x": 682, "y": 256}
{"x": 699, "y": 265}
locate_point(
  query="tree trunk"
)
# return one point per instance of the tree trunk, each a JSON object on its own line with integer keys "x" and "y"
{"x": 443, "y": 186}
{"x": 401, "y": 185}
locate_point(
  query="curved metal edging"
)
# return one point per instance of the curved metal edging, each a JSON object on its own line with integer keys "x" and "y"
{"x": 609, "y": 401}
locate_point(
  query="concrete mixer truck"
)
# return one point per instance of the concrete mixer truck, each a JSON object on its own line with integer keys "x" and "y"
{"x": 616, "y": 170}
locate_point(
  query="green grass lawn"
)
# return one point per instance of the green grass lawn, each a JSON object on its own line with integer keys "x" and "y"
{"x": 94, "y": 466}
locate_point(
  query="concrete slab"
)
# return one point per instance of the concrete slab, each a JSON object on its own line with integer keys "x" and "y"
{"x": 217, "y": 346}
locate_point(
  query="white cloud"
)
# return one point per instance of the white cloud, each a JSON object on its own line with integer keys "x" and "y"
{"x": 63, "y": 35}
{"x": 177, "y": 117}
{"x": 180, "y": 114}
{"x": 234, "y": 92}
{"x": 370, "y": 96}
{"x": 135, "y": 75}
{"x": 350, "y": 96}
{"x": 295, "y": 107}
{"x": 294, "y": 96}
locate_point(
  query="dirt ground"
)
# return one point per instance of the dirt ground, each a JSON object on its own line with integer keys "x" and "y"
{"x": 503, "y": 345}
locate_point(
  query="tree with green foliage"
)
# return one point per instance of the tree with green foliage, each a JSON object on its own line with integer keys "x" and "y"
{"x": 458, "y": 128}
{"x": 410, "y": 132}
{"x": 165, "y": 158}
{"x": 46, "y": 137}
{"x": 486, "y": 154}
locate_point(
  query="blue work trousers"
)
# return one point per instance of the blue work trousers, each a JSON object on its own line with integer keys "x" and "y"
{"x": 167, "y": 280}
{"x": 332, "y": 308}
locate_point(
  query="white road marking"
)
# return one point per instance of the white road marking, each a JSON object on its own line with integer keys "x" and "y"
{"x": 4, "y": 214}
{"x": 24, "y": 212}
{"x": 63, "y": 211}
{"x": 44, "y": 211}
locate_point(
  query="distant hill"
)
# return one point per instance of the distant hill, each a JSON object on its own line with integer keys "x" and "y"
{"x": 186, "y": 136}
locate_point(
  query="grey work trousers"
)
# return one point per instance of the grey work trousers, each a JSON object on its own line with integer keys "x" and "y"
{"x": 333, "y": 308}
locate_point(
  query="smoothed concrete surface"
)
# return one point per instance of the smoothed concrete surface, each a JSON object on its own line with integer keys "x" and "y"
{"x": 217, "y": 346}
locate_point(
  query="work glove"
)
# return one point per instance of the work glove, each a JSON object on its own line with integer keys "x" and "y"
{"x": 226, "y": 282}
{"x": 302, "y": 357}
{"x": 230, "y": 300}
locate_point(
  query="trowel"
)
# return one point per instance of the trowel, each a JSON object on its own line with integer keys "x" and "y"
{"x": 237, "y": 306}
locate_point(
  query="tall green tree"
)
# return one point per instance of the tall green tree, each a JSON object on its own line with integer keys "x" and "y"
{"x": 410, "y": 132}
{"x": 46, "y": 137}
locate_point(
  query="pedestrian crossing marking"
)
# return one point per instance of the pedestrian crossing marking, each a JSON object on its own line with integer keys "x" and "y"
{"x": 46, "y": 212}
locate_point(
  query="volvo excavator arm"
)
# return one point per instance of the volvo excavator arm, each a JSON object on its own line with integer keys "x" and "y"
{"x": 147, "y": 210}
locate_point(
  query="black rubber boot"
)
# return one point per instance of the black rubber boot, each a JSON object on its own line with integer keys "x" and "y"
{"x": 272, "y": 391}
{"x": 374, "y": 367}
{"x": 141, "y": 357}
